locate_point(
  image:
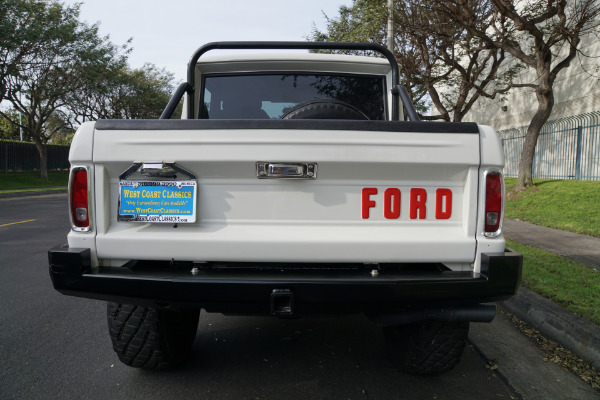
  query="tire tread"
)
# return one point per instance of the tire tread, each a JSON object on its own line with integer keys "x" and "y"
{"x": 428, "y": 347}
{"x": 145, "y": 337}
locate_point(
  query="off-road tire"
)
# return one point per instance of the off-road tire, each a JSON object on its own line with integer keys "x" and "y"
{"x": 149, "y": 338}
{"x": 427, "y": 347}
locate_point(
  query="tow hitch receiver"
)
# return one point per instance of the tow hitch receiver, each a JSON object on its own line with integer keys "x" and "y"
{"x": 282, "y": 303}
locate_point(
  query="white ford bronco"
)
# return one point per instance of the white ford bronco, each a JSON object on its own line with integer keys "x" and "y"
{"x": 292, "y": 185}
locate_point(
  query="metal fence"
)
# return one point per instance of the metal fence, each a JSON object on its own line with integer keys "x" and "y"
{"x": 567, "y": 148}
{"x": 24, "y": 157}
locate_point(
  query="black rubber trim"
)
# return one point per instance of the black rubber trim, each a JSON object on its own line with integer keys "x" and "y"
{"x": 226, "y": 291}
{"x": 324, "y": 125}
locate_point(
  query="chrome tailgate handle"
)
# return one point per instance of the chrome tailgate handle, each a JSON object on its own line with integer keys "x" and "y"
{"x": 286, "y": 170}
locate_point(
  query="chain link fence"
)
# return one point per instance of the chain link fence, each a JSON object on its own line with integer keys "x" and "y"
{"x": 567, "y": 148}
{"x": 24, "y": 157}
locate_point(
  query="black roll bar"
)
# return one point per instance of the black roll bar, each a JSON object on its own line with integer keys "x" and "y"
{"x": 184, "y": 87}
{"x": 191, "y": 75}
{"x": 346, "y": 46}
{"x": 408, "y": 105}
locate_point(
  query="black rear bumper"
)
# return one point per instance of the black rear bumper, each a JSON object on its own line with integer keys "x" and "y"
{"x": 241, "y": 291}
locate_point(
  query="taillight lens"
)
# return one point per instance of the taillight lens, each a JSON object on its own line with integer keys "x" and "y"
{"x": 493, "y": 202}
{"x": 79, "y": 198}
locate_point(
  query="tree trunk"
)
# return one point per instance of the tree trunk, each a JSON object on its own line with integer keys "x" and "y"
{"x": 43, "y": 152}
{"x": 545, "y": 99}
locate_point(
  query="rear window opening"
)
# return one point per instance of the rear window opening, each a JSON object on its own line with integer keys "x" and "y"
{"x": 270, "y": 96}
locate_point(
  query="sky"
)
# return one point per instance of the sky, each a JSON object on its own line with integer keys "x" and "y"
{"x": 166, "y": 33}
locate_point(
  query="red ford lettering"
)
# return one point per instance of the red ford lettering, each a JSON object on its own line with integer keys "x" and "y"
{"x": 391, "y": 203}
{"x": 417, "y": 203}
{"x": 443, "y": 211}
{"x": 418, "y": 198}
{"x": 367, "y": 203}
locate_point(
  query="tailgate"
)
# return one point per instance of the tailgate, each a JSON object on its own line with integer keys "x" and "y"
{"x": 371, "y": 178}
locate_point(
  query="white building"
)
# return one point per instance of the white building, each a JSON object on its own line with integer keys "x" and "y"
{"x": 569, "y": 144}
{"x": 576, "y": 91}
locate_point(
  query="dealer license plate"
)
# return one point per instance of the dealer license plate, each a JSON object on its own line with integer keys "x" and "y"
{"x": 157, "y": 201}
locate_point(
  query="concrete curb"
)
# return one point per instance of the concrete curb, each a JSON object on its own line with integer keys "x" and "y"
{"x": 32, "y": 193}
{"x": 574, "y": 333}
{"x": 520, "y": 363}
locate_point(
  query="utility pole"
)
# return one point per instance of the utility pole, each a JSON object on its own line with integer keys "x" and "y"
{"x": 20, "y": 119}
{"x": 390, "y": 26}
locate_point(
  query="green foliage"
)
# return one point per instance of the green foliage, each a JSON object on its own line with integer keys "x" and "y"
{"x": 562, "y": 204}
{"x": 364, "y": 21}
{"x": 9, "y": 126}
{"x": 48, "y": 55}
{"x": 573, "y": 286}
{"x": 63, "y": 139}
{"x": 58, "y": 72}
{"x": 125, "y": 93}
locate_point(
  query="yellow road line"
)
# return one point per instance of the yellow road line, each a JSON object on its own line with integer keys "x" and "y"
{"x": 20, "y": 222}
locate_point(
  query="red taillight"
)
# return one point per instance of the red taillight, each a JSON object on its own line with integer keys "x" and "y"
{"x": 79, "y": 198}
{"x": 493, "y": 202}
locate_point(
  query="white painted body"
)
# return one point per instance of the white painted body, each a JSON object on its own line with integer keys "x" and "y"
{"x": 241, "y": 218}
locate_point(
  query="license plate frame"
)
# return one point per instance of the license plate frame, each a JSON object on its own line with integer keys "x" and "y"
{"x": 157, "y": 201}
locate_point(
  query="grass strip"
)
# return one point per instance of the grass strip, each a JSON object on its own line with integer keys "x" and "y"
{"x": 571, "y": 285}
{"x": 18, "y": 181}
{"x": 568, "y": 205}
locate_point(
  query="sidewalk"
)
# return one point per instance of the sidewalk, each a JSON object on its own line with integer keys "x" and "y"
{"x": 574, "y": 333}
{"x": 580, "y": 248}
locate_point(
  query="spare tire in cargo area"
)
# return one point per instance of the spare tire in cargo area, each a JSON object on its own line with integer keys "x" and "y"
{"x": 324, "y": 109}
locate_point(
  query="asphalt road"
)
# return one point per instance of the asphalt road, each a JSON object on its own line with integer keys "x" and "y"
{"x": 57, "y": 347}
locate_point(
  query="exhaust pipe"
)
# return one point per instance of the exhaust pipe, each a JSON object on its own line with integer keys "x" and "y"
{"x": 478, "y": 313}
